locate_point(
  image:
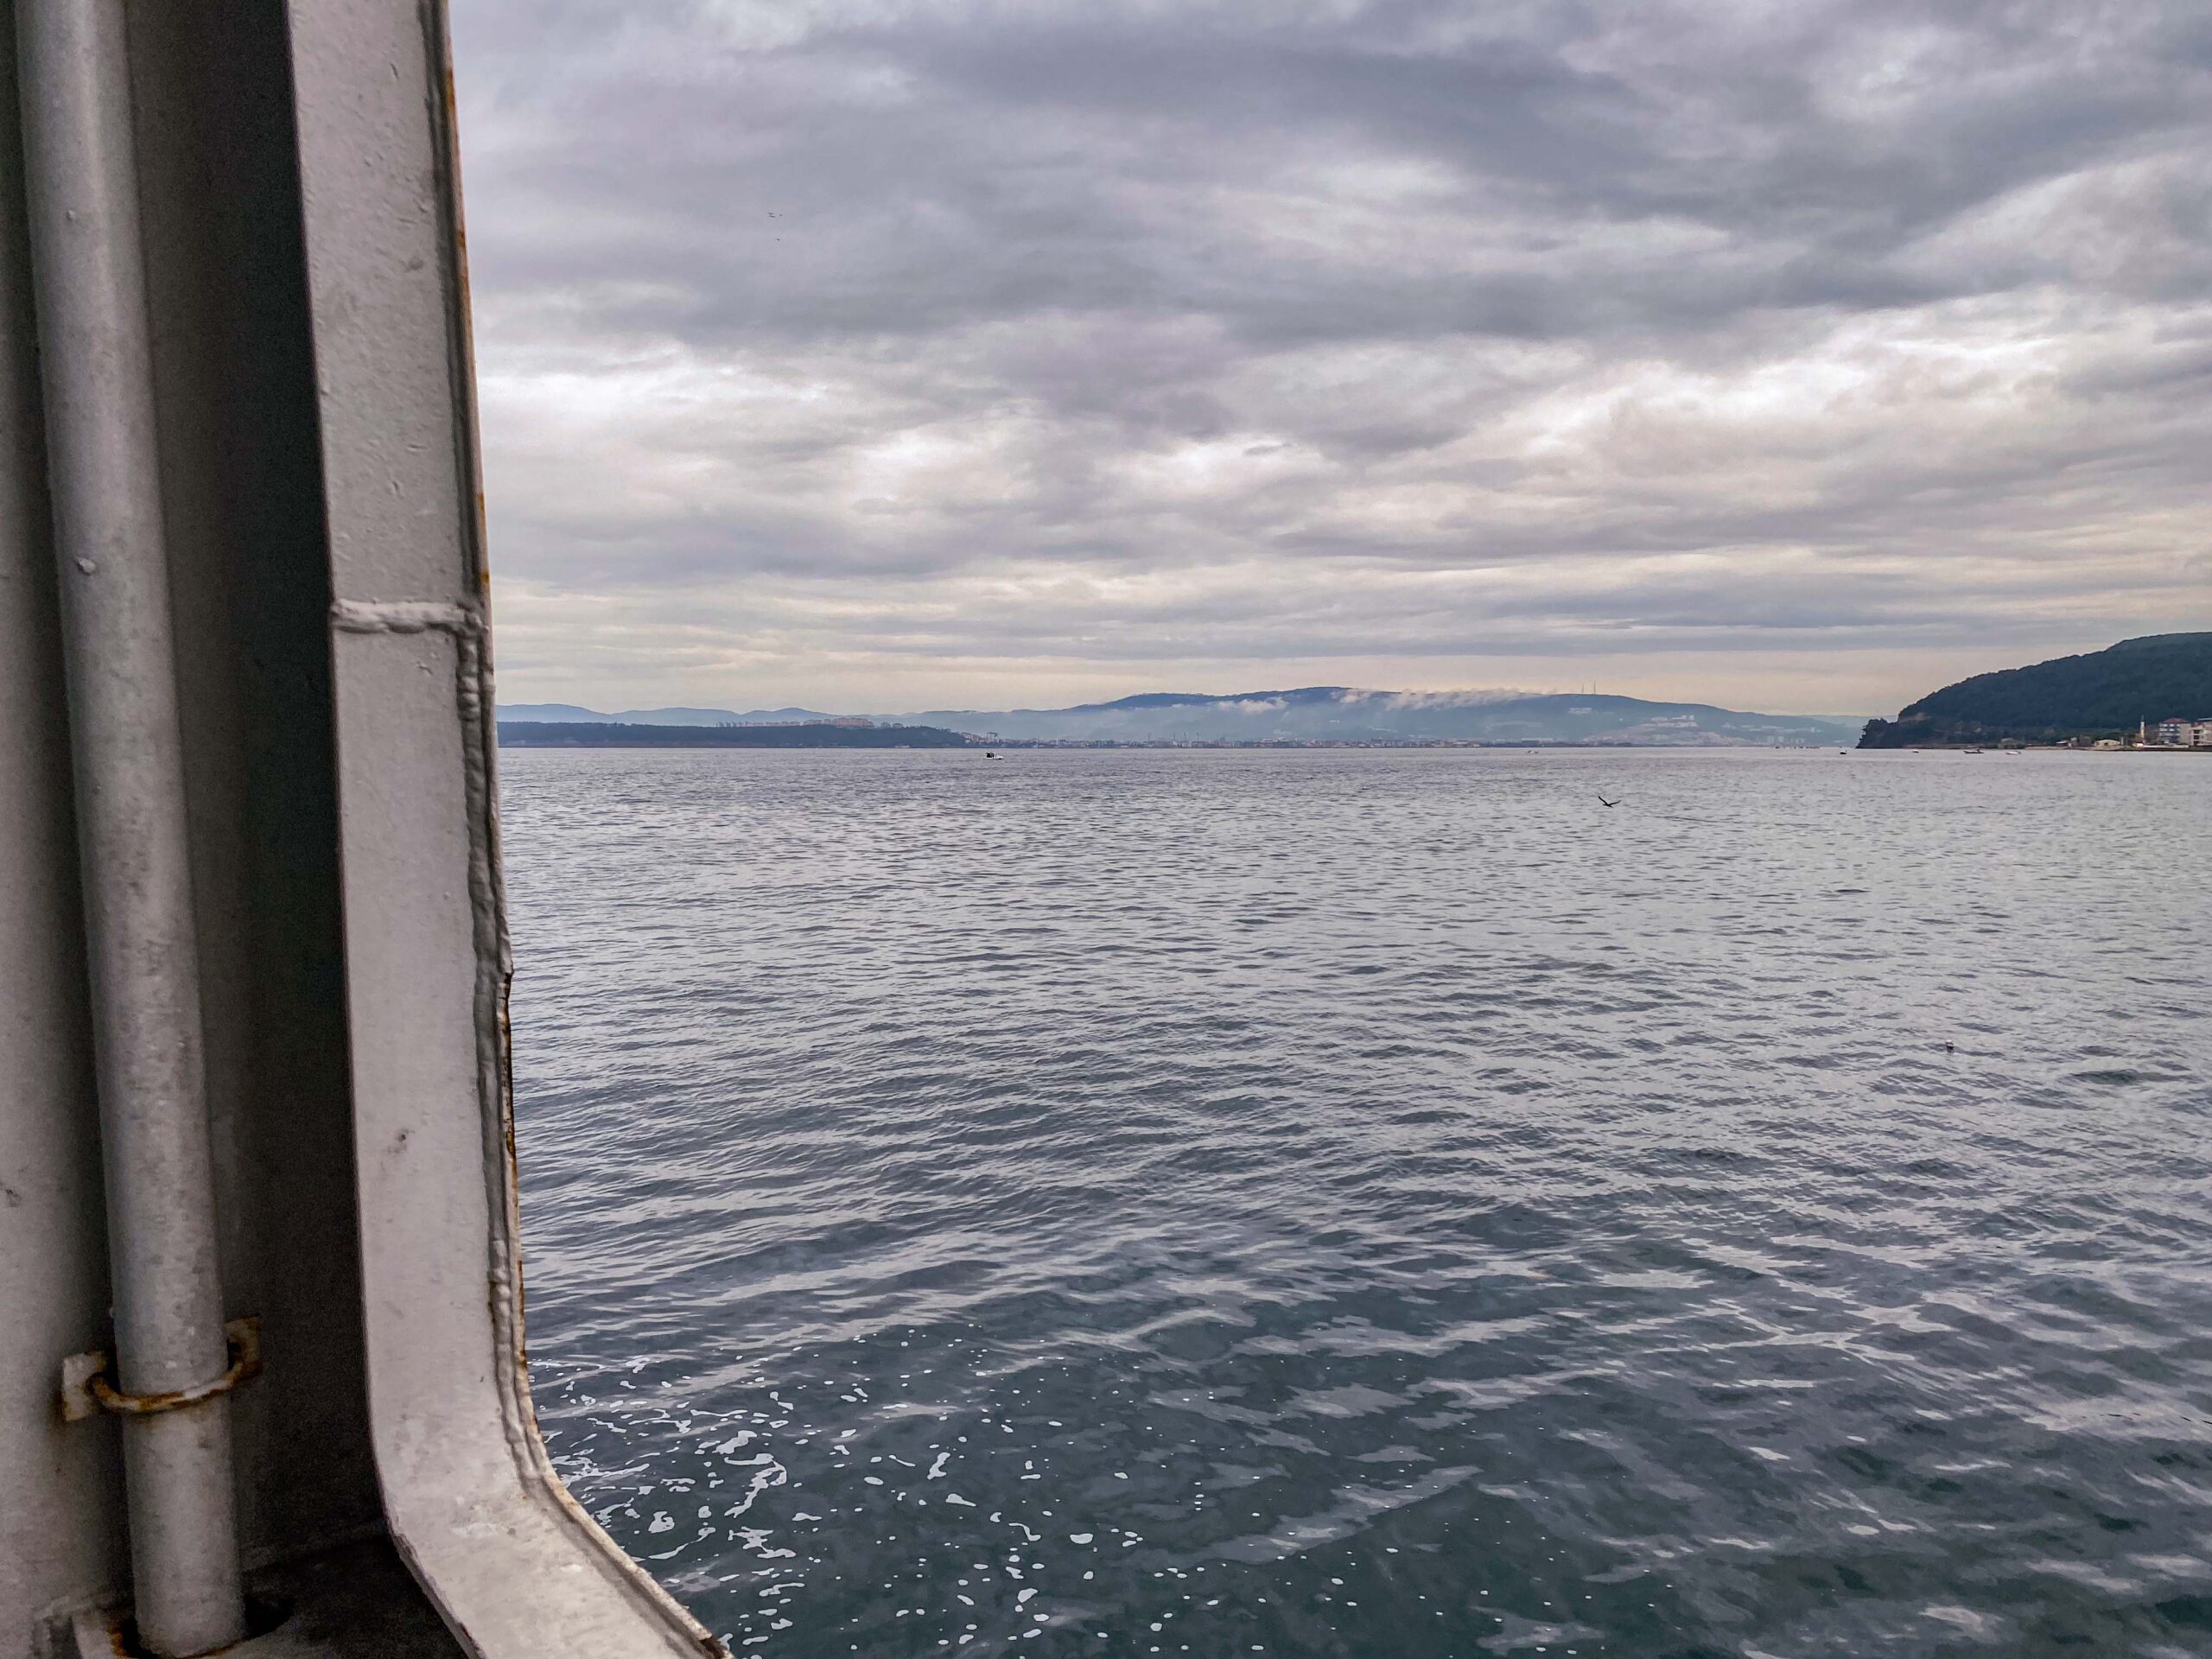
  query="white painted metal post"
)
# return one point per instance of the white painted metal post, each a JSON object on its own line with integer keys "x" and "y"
{"x": 96, "y": 369}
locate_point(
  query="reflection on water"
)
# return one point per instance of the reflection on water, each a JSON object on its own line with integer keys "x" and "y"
{"x": 1377, "y": 1202}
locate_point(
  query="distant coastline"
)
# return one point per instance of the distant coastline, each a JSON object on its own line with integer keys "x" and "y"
{"x": 1303, "y": 716}
{"x": 825, "y": 734}
{"x": 605, "y": 734}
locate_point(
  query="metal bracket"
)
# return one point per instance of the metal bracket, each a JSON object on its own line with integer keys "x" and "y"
{"x": 88, "y": 1380}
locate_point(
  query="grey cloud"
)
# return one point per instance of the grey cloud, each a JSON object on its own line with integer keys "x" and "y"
{"x": 1111, "y": 334}
{"x": 964, "y": 163}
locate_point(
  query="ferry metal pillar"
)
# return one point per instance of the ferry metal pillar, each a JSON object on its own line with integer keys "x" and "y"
{"x": 104, "y": 482}
{"x": 253, "y": 938}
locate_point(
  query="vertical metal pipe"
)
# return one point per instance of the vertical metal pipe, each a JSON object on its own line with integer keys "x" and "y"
{"x": 97, "y": 371}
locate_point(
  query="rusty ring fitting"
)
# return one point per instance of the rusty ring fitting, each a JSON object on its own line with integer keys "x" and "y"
{"x": 242, "y": 1337}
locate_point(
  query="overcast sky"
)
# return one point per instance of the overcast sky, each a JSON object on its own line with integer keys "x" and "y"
{"x": 876, "y": 355}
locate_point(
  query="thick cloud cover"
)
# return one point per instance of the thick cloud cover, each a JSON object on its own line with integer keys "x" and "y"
{"x": 907, "y": 353}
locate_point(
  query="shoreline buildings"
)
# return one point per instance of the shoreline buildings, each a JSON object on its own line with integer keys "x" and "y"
{"x": 2176, "y": 734}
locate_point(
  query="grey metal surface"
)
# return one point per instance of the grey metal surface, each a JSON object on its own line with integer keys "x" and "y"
{"x": 471, "y": 1498}
{"x": 242, "y": 491}
{"x": 313, "y": 409}
{"x": 103, "y": 478}
{"x": 60, "y": 1531}
{"x": 354, "y": 1602}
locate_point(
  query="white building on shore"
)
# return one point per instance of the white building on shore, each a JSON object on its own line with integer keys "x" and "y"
{"x": 2180, "y": 734}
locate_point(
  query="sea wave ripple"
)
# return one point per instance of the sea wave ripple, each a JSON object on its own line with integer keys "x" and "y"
{"x": 1377, "y": 1202}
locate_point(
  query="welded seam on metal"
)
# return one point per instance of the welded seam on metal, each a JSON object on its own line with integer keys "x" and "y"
{"x": 487, "y": 892}
{"x": 466, "y": 624}
{"x": 479, "y": 736}
{"x": 468, "y": 627}
{"x": 405, "y": 616}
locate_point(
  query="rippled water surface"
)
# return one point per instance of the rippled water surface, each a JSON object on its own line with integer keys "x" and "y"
{"x": 1377, "y": 1202}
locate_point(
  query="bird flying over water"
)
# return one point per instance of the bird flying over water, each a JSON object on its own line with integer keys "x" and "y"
{"x": 1602, "y": 801}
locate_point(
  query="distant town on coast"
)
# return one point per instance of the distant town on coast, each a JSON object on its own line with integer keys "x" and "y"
{"x": 2151, "y": 693}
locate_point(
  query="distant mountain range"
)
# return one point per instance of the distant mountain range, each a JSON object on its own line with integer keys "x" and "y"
{"x": 1334, "y": 714}
{"x": 2099, "y": 694}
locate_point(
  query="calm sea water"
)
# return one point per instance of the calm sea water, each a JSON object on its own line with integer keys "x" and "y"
{"x": 1377, "y": 1202}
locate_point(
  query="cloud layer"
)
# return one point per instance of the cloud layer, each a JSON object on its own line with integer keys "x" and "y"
{"x": 864, "y": 353}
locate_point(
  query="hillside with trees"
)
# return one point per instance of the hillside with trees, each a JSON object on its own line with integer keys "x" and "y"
{"x": 2099, "y": 694}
